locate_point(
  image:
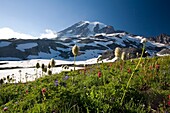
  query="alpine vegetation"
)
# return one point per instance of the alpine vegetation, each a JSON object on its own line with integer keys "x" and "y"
{"x": 137, "y": 66}
{"x": 107, "y": 87}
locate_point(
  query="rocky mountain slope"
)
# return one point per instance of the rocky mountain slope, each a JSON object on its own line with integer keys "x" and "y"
{"x": 162, "y": 38}
{"x": 85, "y": 29}
{"x": 93, "y": 39}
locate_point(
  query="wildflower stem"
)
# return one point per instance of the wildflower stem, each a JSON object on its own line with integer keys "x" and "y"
{"x": 74, "y": 61}
{"x": 128, "y": 83}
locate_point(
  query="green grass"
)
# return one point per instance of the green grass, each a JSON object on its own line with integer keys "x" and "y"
{"x": 85, "y": 92}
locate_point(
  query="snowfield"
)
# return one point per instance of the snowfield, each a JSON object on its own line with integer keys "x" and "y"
{"x": 22, "y": 47}
{"x": 4, "y": 43}
{"x": 26, "y": 68}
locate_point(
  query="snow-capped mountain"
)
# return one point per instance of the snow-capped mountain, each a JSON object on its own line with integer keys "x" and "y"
{"x": 85, "y": 29}
{"x": 93, "y": 39}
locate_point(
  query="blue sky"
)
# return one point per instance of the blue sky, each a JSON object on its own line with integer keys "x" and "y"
{"x": 141, "y": 17}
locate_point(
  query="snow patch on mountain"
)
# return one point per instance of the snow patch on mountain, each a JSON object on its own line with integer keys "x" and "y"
{"x": 9, "y": 58}
{"x": 63, "y": 49}
{"x": 103, "y": 43}
{"x": 22, "y": 47}
{"x": 4, "y": 43}
{"x": 52, "y": 54}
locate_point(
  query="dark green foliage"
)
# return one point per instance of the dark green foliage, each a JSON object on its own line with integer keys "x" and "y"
{"x": 37, "y": 65}
{"x": 42, "y": 66}
{"x": 83, "y": 91}
{"x": 49, "y": 66}
{"x": 49, "y": 72}
{"x": 52, "y": 63}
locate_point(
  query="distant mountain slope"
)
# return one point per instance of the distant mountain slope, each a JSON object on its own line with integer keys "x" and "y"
{"x": 93, "y": 39}
{"x": 90, "y": 47}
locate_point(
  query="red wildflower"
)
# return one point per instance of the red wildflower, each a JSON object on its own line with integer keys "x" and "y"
{"x": 5, "y": 108}
{"x": 169, "y": 97}
{"x": 157, "y": 66}
{"x": 150, "y": 67}
{"x": 129, "y": 71}
{"x": 169, "y": 103}
{"x": 121, "y": 67}
{"x": 43, "y": 90}
{"x": 99, "y": 74}
{"x": 26, "y": 91}
{"x": 110, "y": 64}
{"x": 84, "y": 71}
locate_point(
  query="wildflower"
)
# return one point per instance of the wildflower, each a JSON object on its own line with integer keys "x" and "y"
{"x": 169, "y": 96}
{"x": 110, "y": 64}
{"x": 66, "y": 67}
{"x": 5, "y": 108}
{"x": 129, "y": 71}
{"x": 42, "y": 66}
{"x": 66, "y": 77}
{"x": 49, "y": 66}
{"x": 117, "y": 52}
{"x": 84, "y": 65}
{"x": 45, "y": 69}
{"x": 56, "y": 83}
{"x": 84, "y": 71}
{"x": 157, "y": 66}
{"x": 75, "y": 50}
{"x": 99, "y": 58}
{"x": 123, "y": 56}
{"x": 143, "y": 40}
{"x": 99, "y": 74}
{"x": 137, "y": 54}
{"x": 169, "y": 103}
{"x": 121, "y": 67}
{"x": 37, "y": 65}
{"x": 26, "y": 91}
{"x": 128, "y": 55}
{"x": 150, "y": 67}
{"x": 52, "y": 63}
{"x": 43, "y": 90}
{"x": 49, "y": 72}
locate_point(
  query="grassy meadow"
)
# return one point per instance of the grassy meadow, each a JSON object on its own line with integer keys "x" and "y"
{"x": 100, "y": 88}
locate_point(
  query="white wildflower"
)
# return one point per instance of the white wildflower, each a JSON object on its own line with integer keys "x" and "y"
{"x": 144, "y": 40}
{"x": 123, "y": 56}
{"x": 75, "y": 50}
{"x": 117, "y": 52}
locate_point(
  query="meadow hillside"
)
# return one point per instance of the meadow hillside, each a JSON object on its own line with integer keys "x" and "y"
{"x": 97, "y": 88}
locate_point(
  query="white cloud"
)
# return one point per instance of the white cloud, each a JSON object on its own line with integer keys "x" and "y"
{"x": 7, "y": 33}
{"x": 48, "y": 34}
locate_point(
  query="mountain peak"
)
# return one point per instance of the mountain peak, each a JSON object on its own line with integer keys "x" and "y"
{"x": 95, "y": 22}
{"x": 85, "y": 29}
{"x": 92, "y": 23}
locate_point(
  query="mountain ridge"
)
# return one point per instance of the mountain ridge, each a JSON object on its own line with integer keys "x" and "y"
{"x": 84, "y": 29}
{"x": 93, "y": 39}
